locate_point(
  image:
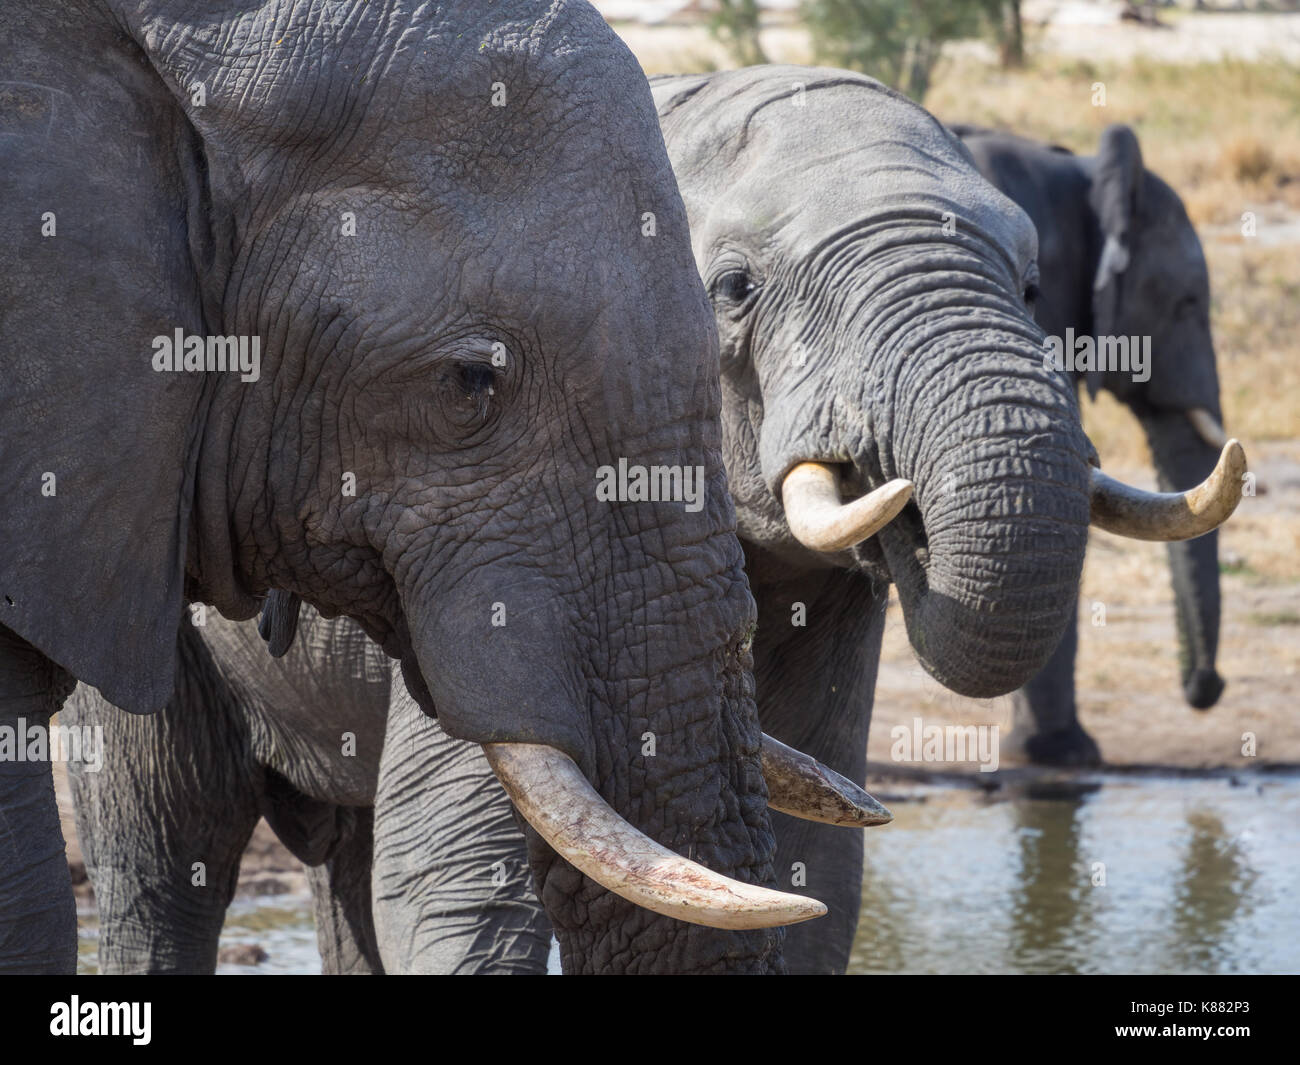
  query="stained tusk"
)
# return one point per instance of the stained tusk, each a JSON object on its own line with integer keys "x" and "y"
{"x": 802, "y": 787}
{"x": 1128, "y": 511}
{"x": 1207, "y": 427}
{"x": 821, "y": 521}
{"x": 550, "y": 791}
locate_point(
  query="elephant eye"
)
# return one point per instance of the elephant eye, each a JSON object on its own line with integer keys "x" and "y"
{"x": 1031, "y": 295}
{"x": 476, "y": 379}
{"x": 734, "y": 286}
{"x": 467, "y": 392}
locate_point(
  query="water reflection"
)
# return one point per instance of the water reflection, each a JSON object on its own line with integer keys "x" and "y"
{"x": 1184, "y": 876}
{"x": 1050, "y": 908}
{"x": 1149, "y": 876}
{"x": 1214, "y": 896}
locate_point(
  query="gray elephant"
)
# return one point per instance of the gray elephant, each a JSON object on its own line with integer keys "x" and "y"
{"x": 870, "y": 290}
{"x": 327, "y": 744}
{"x": 290, "y": 301}
{"x": 868, "y": 340}
{"x": 323, "y": 739}
{"x": 1120, "y": 258}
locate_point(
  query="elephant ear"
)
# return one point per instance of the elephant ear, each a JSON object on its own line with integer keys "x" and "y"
{"x": 1114, "y": 198}
{"x": 100, "y": 175}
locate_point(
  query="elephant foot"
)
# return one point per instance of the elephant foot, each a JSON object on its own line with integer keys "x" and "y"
{"x": 1203, "y": 688}
{"x": 1066, "y": 748}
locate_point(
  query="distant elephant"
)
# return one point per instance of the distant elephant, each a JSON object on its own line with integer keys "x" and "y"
{"x": 356, "y": 301}
{"x": 1119, "y": 257}
{"x": 867, "y": 341}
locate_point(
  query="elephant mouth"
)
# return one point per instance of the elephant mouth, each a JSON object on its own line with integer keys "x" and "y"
{"x": 898, "y": 554}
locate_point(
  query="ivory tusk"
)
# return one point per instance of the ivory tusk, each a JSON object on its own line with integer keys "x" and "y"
{"x": 801, "y": 786}
{"x": 1207, "y": 427}
{"x": 548, "y": 788}
{"x": 1128, "y": 511}
{"x": 821, "y": 521}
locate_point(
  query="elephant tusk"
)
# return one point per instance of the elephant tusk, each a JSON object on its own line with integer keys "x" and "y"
{"x": 548, "y": 788}
{"x": 818, "y": 518}
{"x": 802, "y": 787}
{"x": 1128, "y": 511}
{"x": 1207, "y": 427}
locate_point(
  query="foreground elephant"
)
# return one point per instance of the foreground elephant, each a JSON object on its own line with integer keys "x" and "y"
{"x": 459, "y": 322}
{"x": 1119, "y": 257}
{"x": 867, "y": 340}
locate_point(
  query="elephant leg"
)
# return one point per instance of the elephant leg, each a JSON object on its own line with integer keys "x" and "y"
{"x": 165, "y": 819}
{"x": 453, "y": 891}
{"x": 1046, "y": 723}
{"x": 345, "y": 925}
{"x": 38, "y": 914}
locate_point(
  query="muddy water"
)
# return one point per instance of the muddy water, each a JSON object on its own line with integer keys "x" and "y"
{"x": 1162, "y": 876}
{"x": 1119, "y": 875}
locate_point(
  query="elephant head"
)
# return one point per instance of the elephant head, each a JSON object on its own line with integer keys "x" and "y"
{"x": 1121, "y": 264}
{"x": 879, "y": 329}
{"x": 425, "y": 233}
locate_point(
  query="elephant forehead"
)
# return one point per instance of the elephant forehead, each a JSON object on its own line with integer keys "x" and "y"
{"x": 511, "y": 99}
{"x": 797, "y": 155}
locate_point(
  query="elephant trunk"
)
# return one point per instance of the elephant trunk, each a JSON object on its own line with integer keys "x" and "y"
{"x": 619, "y": 715}
{"x": 988, "y": 575}
{"x": 1183, "y": 456}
